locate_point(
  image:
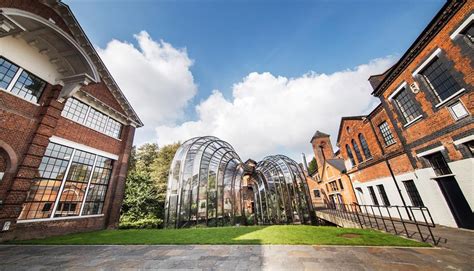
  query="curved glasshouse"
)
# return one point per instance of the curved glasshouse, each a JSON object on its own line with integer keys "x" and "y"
{"x": 209, "y": 185}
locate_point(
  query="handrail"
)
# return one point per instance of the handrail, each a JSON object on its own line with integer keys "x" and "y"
{"x": 381, "y": 217}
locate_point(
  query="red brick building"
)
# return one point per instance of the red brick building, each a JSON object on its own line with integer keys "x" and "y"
{"x": 416, "y": 147}
{"x": 330, "y": 183}
{"x": 66, "y": 129}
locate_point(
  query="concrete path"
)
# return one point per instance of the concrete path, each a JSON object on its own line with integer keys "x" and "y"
{"x": 236, "y": 257}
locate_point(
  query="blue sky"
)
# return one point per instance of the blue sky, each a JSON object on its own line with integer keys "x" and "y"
{"x": 228, "y": 40}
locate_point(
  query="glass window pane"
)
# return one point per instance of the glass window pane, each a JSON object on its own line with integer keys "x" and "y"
{"x": 75, "y": 110}
{"x": 365, "y": 146}
{"x": 440, "y": 80}
{"x": 28, "y": 87}
{"x": 386, "y": 133}
{"x": 407, "y": 105}
{"x": 96, "y": 120}
{"x": 113, "y": 128}
{"x": 7, "y": 72}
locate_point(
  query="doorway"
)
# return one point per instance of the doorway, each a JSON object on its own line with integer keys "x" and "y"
{"x": 457, "y": 202}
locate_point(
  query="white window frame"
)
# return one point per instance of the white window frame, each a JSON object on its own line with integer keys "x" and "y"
{"x": 13, "y": 82}
{"x": 431, "y": 151}
{"x": 80, "y": 147}
{"x": 87, "y": 115}
{"x": 462, "y": 26}
{"x": 436, "y": 53}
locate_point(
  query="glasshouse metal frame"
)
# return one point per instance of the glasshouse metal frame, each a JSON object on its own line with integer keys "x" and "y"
{"x": 208, "y": 186}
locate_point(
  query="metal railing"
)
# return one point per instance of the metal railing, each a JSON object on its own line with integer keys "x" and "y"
{"x": 408, "y": 220}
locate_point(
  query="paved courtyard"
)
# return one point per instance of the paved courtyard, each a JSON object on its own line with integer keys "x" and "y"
{"x": 237, "y": 257}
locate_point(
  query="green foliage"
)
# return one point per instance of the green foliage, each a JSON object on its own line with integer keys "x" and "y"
{"x": 143, "y": 223}
{"x": 312, "y": 166}
{"x": 145, "y": 192}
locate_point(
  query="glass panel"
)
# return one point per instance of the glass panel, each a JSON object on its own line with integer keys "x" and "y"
{"x": 349, "y": 153}
{"x": 28, "y": 87}
{"x": 386, "y": 133}
{"x": 75, "y": 110}
{"x": 96, "y": 120}
{"x": 357, "y": 151}
{"x": 440, "y": 80}
{"x": 413, "y": 193}
{"x": 407, "y": 105}
{"x": 113, "y": 128}
{"x": 383, "y": 195}
{"x": 45, "y": 187}
{"x": 7, "y": 72}
{"x": 365, "y": 147}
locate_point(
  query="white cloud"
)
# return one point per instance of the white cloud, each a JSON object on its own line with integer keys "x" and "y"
{"x": 155, "y": 78}
{"x": 272, "y": 114}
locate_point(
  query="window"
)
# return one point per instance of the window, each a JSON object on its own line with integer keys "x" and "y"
{"x": 386, "y": 134}
{"x": 439, "y": 164}
{"x": 333, "y": 185}
{"x": 349, "y": 153}
{"x": 406, "y": 105}
{"x": 383, "y": 195}
{"x": 75, "y": 110}
{"x": 340, "y": 184}
{"x": 7, "y": 72}
{"x": 365, "y": 147}
{"x": 413, "y": 193}
{"x": 357, "y": 151}
{"x": 469, "y": 32}
{"x": 440, "y": 80}
{"x": 372, "y": 194}
{"x": 84, "y": 114}
{"x": 316, "y": 193}
{"x": 458, "y": 111}
{"x": 20, "y": 82}
{"x": 69, "y": 182}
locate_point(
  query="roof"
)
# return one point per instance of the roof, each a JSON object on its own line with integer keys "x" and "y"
{"x": 337, "y": 163}
{"x": 342, "y": 121}
{"x": 436, "y": 24}
{"x": 318, "y": 134}
{"x": 79, "y": 35}
{"x": 376, "y": 79}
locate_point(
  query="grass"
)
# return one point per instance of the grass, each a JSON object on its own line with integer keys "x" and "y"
{"x": 288, "y": 234}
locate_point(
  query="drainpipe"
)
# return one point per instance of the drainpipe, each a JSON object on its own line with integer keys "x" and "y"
{"x": 390, "y": 169}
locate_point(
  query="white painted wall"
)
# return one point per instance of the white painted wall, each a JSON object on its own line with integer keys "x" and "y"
{"x": 464, "y": 174}
{"x": 428, "y": 188}
{"x": 28, "y": 57}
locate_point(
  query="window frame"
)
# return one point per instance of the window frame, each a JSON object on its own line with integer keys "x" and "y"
{"x": 15, "y": 79}
{"x": 56, "y": 203}
{"x": 386, "y": 133}
{"x": 357, "y": 150}
{"x": 373, "y": 196}
{"x": 413, "y": 194}
{"x": 89, "y": 123}
{"x": 419, "y": 76}
{"x": 401, "y": 109}
{"x": 350, "y": 155}
{"x": 365, "y": 146}
{"x": 383, "y": 195}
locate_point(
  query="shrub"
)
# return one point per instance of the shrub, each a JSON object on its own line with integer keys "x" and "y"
{"x": 143, "y": 223}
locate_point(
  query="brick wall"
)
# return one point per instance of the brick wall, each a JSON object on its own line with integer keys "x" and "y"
{"x": 437, "y": 124}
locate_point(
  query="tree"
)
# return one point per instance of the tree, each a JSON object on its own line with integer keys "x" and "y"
{"x": 312, "y": 166}
{"x": 145, "y": 191}
{"x": 160, "y": 172}
{"x": 145, "y": 156}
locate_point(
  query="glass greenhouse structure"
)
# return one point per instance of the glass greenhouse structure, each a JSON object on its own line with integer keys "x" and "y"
{"x": 209, "y": 185}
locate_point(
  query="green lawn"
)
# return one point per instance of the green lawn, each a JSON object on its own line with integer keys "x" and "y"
{"x": 291, "y": 234}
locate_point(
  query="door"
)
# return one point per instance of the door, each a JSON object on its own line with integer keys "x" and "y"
{"x": 457, "y": 202}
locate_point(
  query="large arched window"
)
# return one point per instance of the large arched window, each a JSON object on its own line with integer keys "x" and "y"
{"x": 357, "y": 151}
{"x": 349, "y": 153}
{"x": 365, "y": 147}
